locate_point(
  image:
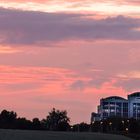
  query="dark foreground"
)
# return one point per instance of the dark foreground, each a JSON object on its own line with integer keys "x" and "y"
{"x": 43, "y": 135}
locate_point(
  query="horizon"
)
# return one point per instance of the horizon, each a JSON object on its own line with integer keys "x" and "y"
{"x": 67, "y": 54}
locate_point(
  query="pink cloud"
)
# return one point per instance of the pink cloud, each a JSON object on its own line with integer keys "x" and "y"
{"x": 33, "y": 91}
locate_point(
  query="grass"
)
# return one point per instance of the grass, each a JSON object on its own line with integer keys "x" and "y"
{"x": 43, "y": 135}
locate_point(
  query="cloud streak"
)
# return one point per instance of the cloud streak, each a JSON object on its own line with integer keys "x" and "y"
{"x": 37, "y": 28}
{"x": 75, "y": 1}
{"x": 102, "y": 7}
{"x": 34, "y": 91}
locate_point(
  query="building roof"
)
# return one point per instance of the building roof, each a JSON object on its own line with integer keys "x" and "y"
{"x": 114, "y": 98}
{"x": 135, "y": 94}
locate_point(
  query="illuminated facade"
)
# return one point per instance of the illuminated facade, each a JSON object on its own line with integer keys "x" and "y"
{"x": 113, "y": 106}
{"x": 134, "y": 105}
{"x": 119, "y": 107}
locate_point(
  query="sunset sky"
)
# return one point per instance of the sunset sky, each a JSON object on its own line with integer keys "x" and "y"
{"x": 67, "y": 54}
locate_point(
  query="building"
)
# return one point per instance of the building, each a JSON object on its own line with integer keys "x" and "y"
{"x": 95, "y": 117}
{"x": 118, "y": 107}
{"x": 134, "y": 105}
{"x": 113, "y": 106}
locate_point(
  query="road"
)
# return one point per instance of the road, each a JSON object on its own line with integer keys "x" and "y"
{"x": 43, "y": 135}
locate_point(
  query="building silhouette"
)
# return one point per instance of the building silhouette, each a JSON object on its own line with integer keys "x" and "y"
{"x": 115, "y": 106}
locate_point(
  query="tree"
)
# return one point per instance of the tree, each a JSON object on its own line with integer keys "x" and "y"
{"x": 82, "y": 127}
{"x": 23, "y": 123}
{"x": 57, "y": 120}
{"x": 134, "y": 126}
{"x": 36, "y": 124}
{"x": 7, "y": 119}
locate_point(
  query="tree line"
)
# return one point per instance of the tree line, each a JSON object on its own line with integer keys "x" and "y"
{"x": 57, "y": 120}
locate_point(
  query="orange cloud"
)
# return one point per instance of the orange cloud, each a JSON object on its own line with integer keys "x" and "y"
{"x": 9, "y": 50}
{"x": 102, "y": 7}
{"x": 62, "y": 1}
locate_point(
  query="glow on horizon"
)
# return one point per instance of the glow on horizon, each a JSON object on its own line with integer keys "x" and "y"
{"x": 108, "y": 8}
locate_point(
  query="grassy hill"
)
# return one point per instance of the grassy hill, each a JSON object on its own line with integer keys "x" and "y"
{"x": 43, "y": 135}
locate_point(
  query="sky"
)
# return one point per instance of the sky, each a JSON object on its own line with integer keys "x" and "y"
{"x": 67, "y": 54}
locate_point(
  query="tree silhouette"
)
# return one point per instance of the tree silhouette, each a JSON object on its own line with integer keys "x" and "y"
{"x": 82, "y": 127}
{"x": 57, "y": 120}
{"x": 7, "y": 119}
{"x": 36, "y": 124}
{"x": 23, "y": 123}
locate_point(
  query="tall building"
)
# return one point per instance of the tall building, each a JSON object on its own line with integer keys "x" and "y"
{"x": 134, "y": 105}
{"x": 118, "y": 107}
{"x": 113, "y": 106}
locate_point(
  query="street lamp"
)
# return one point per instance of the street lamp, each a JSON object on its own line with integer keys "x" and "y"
{"x": 126, "y": 129}
{"x": 128, "y": 125}
{"x": 110, "y": 124}
{"x": 101, "y": 123}
{"x": 123, "y": 125}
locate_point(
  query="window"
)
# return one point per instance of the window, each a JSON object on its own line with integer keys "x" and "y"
{"x": 118, "y": 104}
{"x": 112, "y": 104}
{"x": 105, "y": 114}
{"x": 118, "y": 110}
{"x": 105, "y": 105}
{"x": 125, "y": 105}
{"x": 106, "y": 110}
{"x": 125, "y": 109}
{"x": 134, "y": 105}
{"x": 112, "y": 110}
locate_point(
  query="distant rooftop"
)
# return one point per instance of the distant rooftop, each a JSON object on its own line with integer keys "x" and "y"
{"x": 135, "y": 94}
{"x": 114, "y": 98}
